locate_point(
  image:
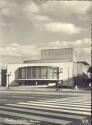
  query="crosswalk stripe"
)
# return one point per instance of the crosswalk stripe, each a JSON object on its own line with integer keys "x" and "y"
{"x": 70, "y": 105}
{"x": 63, "y": 104}
{"x": 68, "y": 100}
{"x": 52, "y": 109}
{"x": 86, "y": 101}
{"x": 40, "y": 118}
{"x": 80, "y": 102}
{"x": 56, "y": 106}
{"x": 58, "y": 111}
{"x": 68, "y": 116}
{"x": 72, "y": 98}
{"x": 88, "y": 105}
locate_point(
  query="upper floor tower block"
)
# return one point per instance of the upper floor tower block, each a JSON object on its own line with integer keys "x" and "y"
{"x": 63, "y": 54}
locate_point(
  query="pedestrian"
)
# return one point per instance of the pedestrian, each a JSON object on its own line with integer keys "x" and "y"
{"x": 60, "y": 82}
{"x": 76, "y": 87}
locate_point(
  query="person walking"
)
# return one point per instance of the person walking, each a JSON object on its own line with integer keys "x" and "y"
{"x": 60, "y": 82}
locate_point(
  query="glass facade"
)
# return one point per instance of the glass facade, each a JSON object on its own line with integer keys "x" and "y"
{"x": 36, "y": 72}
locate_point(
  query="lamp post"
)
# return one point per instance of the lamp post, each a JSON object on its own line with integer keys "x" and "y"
{"x": 8, "y": 75}
{"x": 57, "y": 71}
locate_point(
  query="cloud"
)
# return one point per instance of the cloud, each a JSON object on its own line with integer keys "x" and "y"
{"x": 84, "y": 43}
{"x": 62, "y": 27}
{"x": 87, "y": 51}
{"x": 75, "y": 12}
{"x": 3, "y": 3}
{"x": 79, "y": 7}
{"x": 6, "y": 11}
{"x": 10, "y": 11}
{"x": 19, "y": 51}
{"x": 42, "y": 18}
{"x": 15, "y": 52}
{"x": 84, "y": 54}
{"x": 33, "y": 8}
{"x": 82, "y": 48}
{"x": 33, "y": 13}
{"x": 57, "y": 44}
{"x": 19, "y": 18}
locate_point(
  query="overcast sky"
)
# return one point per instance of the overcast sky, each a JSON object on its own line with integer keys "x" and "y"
{"x": 28, "y": 26}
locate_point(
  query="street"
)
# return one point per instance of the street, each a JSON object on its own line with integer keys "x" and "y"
{"x": 46, "y": 106}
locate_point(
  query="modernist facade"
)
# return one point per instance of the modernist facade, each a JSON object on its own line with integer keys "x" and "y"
{"x": 55, "y": 64}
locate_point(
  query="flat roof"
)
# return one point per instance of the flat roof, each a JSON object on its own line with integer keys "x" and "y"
{"x": 46, "y": 61}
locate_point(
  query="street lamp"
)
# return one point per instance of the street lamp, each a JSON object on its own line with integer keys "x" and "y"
{"x": 8, "y": 75}
{"x": 57, "y": 71}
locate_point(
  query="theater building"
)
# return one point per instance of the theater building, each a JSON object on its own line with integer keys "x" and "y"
{"x": 54, "y": 64}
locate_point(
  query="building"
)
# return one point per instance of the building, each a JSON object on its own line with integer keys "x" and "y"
{"x": 64, "y": 54}
{"x": 3, "y": 77}
{"x": 54, "y": 65}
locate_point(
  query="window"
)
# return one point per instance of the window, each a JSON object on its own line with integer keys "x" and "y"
{"x": 35, "y": 72}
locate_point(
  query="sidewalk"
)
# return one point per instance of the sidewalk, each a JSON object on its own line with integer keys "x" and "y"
{"x": 40, "y": 89}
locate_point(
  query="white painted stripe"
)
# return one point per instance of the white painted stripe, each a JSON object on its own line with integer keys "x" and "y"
{"x": 61, "y": 101}
{"x": 40, "y": 100}
{"x": 39, "y": 118}
{"x": 60, "y": 104}
{"x": 52, "y": 109}
{"x": 66, "y": 100}
{"x": 77, "y": 104}
{"x": 56, "y": 106}
{"x": 42, "y": 112}
{"x": 79, "y": 100}
{"x": 72, "y": 99}
{"x": 85, "y": 102}
{"x": 69, "y": 100}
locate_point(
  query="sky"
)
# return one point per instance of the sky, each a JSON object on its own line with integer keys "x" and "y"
{"x": 27, "y": 26}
